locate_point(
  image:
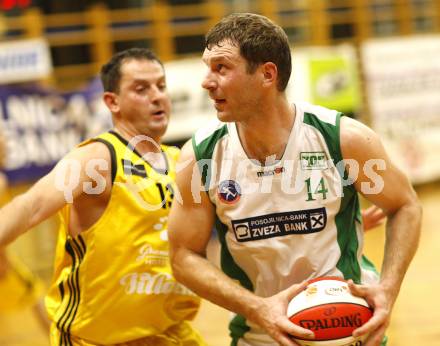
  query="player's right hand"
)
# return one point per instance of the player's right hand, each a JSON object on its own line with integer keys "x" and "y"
{"x": 271, "y": 315}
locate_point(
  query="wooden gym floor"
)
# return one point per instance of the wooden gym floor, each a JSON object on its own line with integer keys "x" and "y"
{"x": 415, "y": 320}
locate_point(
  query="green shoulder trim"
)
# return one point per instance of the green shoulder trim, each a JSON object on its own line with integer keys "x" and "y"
{"x": 329, "y": 131}
{"x": 204, "y": 150}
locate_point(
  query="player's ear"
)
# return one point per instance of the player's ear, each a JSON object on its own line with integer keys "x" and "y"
{"x": 270, "y": 73}
{"x": 111, "y": 101}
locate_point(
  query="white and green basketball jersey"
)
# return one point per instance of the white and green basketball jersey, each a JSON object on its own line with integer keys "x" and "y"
{"x": 286, "y": 221}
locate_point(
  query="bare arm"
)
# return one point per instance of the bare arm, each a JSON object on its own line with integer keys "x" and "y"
{"x": 190, "y": 226}
{"x": 399, "y": 201}
{"x": 62, "y": 185}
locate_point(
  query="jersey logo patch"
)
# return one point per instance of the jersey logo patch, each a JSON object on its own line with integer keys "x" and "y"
{"x": 275, "y": 171}
{"x": 313, "y": 160}
{"x": 229, "y": 191}
{"x": 280, "y": 224}
{"x": 132, "y": 169}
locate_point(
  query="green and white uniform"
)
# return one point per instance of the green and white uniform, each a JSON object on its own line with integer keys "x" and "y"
{"x": 287, "y": 221}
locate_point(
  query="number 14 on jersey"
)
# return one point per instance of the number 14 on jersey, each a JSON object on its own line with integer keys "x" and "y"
{"x": 320, "y": 189}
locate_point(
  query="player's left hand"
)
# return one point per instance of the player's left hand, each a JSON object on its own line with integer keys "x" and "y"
{"x": 372, "y": 217}
{"x": 382, "y": 302}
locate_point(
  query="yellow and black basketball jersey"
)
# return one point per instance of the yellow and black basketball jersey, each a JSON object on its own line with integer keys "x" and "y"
{"x": 113, "y": 282}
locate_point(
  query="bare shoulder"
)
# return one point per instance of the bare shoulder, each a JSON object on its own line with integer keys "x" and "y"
{"x": 187, "y": 152}
{"x": 84, "y": 164}
{"x": 358, "y": 140}
{"x": 377, "y": 177}
{"x": 186, "y": 160}
{"x": 89, "y": 151}
{"x": 188, "y": 178}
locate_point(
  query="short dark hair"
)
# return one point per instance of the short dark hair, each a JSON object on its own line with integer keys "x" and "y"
{"x": 111, "y": 71}
{"x": 259, "y": 39}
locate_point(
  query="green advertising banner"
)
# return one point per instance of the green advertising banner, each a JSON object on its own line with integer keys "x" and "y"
{"x": 333, "y": 81}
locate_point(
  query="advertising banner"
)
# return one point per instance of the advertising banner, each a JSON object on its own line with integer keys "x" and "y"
{"x": 403, "y": 84}
{"x": 24, "y": 60}
{"x": 42, "y": 125}
{"x": 326, "y": 76}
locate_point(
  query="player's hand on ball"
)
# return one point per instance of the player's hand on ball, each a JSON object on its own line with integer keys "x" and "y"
{"x": 382, "y": 302}
{"x": 271, "y": 315}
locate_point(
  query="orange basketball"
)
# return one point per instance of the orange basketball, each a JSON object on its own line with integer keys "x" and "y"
{"x": 327, "y": 308}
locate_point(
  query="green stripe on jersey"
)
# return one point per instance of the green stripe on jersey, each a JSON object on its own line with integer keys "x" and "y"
{"x": 204, "y": 151}
{"x": 348, "y": 241}
{"x": 237, "y": 326}
{"x": 228, "y": 265}
{"x": 345, "y": 219}
{"x": 368, "y": 265}
{"x": 237, "y": 329}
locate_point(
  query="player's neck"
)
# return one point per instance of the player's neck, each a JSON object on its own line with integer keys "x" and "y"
{"x": 266, "y": 135}
{"x": 142, "y": 143}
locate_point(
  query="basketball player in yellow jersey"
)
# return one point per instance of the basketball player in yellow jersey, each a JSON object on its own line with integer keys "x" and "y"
{"x": 112, "y": 283}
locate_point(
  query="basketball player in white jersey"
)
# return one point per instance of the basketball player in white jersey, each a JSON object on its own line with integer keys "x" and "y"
{"x": 279, "y": 195}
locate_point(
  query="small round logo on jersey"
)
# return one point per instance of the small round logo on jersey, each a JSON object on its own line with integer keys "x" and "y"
{"x": 229, "y": 191}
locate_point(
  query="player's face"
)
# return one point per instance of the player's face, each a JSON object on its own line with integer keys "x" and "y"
{"x": 144, "y": 105}
{"x": 234, "y": 91}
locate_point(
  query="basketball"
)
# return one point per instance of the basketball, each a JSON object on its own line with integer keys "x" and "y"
{"x": 327, "y": 308}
